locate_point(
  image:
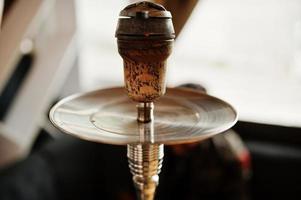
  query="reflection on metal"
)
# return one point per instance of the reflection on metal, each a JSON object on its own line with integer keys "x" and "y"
{"x": 145, "y": 34}
{"x": 145, "y": 162}
{"x": 109, "y": 116}
{"x": 145, "y": 112}
{"x": 146, "y": 131}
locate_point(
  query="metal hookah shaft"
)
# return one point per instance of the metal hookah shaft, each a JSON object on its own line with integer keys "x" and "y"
{"x": 145, "y": 159}
{"x": 145, "y": 112}
{"x": 145, "y": 35}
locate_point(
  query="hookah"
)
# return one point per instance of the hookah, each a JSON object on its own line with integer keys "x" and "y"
{"x": 144, "y": 115}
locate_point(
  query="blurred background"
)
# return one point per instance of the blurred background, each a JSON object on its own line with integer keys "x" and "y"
{"x": 243, "y": 51}
{"x": 247, "y": 52}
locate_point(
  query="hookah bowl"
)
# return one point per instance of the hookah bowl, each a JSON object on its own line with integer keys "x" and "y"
{"x": 144, "y": 36}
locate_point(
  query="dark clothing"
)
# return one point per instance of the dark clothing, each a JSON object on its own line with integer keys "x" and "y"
{"x": 69, "y": 168}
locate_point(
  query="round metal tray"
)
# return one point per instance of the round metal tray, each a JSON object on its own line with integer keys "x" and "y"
{"x": 109, "y": 116}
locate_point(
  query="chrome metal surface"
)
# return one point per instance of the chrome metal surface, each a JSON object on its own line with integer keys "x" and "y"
{"x": 108, "y": 116}
{"x": 145, "y": 112}
{"x": 145, "y": 162}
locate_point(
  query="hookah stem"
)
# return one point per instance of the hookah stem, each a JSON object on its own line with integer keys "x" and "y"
{"x": 145, "y": 160}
